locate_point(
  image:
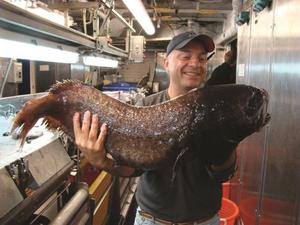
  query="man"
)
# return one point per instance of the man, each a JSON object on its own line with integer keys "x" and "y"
{"x": 226, "y": 72}
{"x": 194, "y": 195}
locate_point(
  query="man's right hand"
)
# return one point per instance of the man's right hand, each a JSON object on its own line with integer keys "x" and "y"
{"x": 89, "y": 142}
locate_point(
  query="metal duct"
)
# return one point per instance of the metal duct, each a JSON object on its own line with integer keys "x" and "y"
{"x": 230, "y": 27}
{"x": 193, "y": 26}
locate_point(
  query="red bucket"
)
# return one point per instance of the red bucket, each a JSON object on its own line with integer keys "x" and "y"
{"x": 229, "y": 212}
{"x": 226, "y": 189}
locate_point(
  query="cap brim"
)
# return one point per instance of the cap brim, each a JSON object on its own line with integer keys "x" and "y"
{"x": 207, "y": 42}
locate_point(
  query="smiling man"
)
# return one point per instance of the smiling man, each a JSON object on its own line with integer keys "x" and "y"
{"x": 186, "y": 62}
{"x": 194, "y": 196}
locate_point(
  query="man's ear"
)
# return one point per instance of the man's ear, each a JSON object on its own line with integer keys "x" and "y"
{"x": 166, "y": 62}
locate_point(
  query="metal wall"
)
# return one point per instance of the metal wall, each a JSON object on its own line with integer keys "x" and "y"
{"x": 10, "y": 89}
{"x": 269, "y": 167}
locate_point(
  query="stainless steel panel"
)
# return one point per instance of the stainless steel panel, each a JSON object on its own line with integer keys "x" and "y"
{"x": 254, "y": 148}
{"x": 78, "y": 71}
{"x": 270, "y": 160}
{"x": 44, "y": 78}
{"x": 62, "y": 71}
{"x": 45, "y": 162}
{"x": 243, "y": 51}
{"x": 9, "y": 193}
{"x": 161, "y": 77}
{"x": 282, "y": 187}
{"x": 242, "y": 77}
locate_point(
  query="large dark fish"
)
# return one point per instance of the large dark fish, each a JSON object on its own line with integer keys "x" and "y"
{"x": 215, "y": 119}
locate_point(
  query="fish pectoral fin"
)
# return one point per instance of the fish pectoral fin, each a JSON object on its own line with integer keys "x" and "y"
{"x": 182, "y": 152}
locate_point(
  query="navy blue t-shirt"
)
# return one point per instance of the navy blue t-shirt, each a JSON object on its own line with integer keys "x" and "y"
{"x": 194, "y": 193}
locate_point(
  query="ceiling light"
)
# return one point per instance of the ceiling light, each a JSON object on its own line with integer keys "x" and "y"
{"x": 100, "y": 61}
{"x": 137, "y": 8}
{"x": 46, "y": 13}
{"x": 21, "y": 50}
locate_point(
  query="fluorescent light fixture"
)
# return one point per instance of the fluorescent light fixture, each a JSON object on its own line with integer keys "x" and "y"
{"x": 137, "y": 8}
{"x": 51, "y": 15}
{"x": 100, "y": 61}
{"x": 21, "y": 50}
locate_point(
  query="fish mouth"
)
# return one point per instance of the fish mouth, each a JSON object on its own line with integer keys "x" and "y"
{"x": 265, "y": 117}
{"x": 256, "y": 110}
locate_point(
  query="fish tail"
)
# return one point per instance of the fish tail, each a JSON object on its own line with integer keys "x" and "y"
{"x": 29, "y": 115}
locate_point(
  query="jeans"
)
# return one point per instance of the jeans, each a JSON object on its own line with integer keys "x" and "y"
{"x": 139, "y": 220}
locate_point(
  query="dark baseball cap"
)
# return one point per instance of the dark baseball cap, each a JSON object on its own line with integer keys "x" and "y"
{"x": 181, "y": 40}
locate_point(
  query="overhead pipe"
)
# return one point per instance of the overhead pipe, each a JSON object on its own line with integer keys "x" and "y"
{"x": 119, "y": 16}
{"x": 5, "y": 77}
{"x": 128, "y": 37}
{"x": 86, "y": 22}
{"x": 177, "y": 11}
{"x": 104, "y": 23}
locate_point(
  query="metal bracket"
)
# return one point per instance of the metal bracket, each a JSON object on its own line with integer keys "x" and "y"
{"x": 5, "y": 77}
{"x": 105, "y": 22}
{"x": 99, "y": 44}
{"x": 116, "y": 14}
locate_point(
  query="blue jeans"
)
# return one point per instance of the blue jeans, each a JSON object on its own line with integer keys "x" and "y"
{"x": 139, "y": 220}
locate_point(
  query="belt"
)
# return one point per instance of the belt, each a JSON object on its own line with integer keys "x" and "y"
{"x": 166, "y": 222}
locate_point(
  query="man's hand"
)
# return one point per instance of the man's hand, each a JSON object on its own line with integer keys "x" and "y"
{"x": 89, "y": 142}
{"x": 92, "y": 145}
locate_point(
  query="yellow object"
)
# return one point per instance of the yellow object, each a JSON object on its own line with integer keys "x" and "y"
{"x": 106, "y": 82}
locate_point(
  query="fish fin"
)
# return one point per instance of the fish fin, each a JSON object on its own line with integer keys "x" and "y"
{"x": 182, "y": 152}
{"x": 65, "y": 85}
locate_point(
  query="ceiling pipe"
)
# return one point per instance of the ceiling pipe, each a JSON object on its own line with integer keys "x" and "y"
{"x": 179, "y": 11}
{"x": 119, "y": 16}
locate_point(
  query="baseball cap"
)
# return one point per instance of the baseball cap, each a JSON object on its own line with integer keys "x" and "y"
{"x": 181, "y": 40}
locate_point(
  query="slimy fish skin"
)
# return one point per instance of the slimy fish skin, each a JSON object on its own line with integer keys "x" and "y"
{"x": 215, "y": 119}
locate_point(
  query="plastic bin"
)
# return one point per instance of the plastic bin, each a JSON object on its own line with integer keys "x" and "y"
{"x": 119, "y": 87}
{"x": 229, "y": 212}
{"x": 274, "y": 211}
{"x": 226, "y": 189}
{"x": 229, "y": 189}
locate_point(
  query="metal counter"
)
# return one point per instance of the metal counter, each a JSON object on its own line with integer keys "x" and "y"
{"x": 29, "y": 176}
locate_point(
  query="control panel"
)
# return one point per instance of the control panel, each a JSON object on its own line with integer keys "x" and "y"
{"x": 16, "y": 75}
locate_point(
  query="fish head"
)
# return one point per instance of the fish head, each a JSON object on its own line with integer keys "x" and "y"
{"x": 255, "y": 109}
{"x": 253, "y": 114}
{"x": 246, "y": 111}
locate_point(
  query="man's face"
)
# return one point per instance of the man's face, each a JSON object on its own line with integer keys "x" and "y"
{"x": 187, "y": 67}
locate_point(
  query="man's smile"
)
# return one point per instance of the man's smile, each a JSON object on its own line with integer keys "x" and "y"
{"x": 191, "y": 74}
